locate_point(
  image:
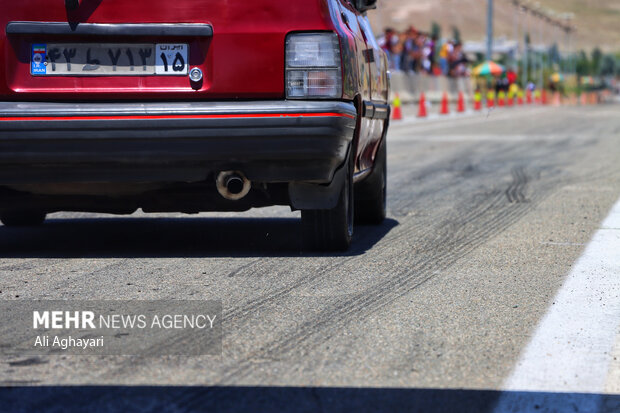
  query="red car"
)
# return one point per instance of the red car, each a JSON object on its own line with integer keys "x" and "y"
{"x": 193, "y": 105}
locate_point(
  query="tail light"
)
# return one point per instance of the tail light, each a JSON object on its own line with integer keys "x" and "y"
{"x": 313, "y": 66}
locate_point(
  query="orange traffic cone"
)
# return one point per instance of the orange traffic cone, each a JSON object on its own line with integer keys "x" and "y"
{"x": 557, "y": 101}
{"x": 461, "y": 103}
{"x": 519, "y": 98}
{"x": 528, "y": 97}
{"x": 445, "y": 110}
{"x": 490, "y": 99}
{"x": 397, "y": 113}
{"x": 583, "y": 99}
{"x": 501, "y": 96}
{"x": 544, "y": 97}
{"x": 477, "y": 101}
{"x": 422, "y": 109}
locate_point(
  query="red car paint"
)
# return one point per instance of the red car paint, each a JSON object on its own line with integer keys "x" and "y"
{"x": 244, "y": 59}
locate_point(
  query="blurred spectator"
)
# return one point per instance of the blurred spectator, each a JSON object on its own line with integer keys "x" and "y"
{"x": 502, "y": 84}
{"x": 388, "y": 42}
{"x": 411, "y": 51}
{"x": 511, "y": 76}
{"x": 418, "y": 52}
{"x": 384, "y": 40}
{"x": 458, "y": 62}
{"x": 444, "y": 54}
{"x": 428, "y": 55}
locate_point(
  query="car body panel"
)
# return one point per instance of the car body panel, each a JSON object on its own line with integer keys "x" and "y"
{"x": 243, "y": 59}
{"x": 168, "y": 129}
{"x": 271, "y": 141}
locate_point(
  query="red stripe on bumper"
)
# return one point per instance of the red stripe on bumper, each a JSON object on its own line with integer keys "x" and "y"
{"x": 141, "y": 117}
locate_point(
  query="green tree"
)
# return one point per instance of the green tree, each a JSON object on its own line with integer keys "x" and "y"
{"x": 435, "y": 30}
{"x": 584, "y": 67}
{"x": 597, "y": 59}
{"x": 456, "y": 34}
{"x": 608, "y": 66}
{"x": 554, "y": 54}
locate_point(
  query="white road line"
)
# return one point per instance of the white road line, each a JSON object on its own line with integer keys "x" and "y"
{"x": 571, "y": 350}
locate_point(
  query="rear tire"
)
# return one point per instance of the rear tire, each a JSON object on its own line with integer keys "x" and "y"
{"x": 371, "y": 194}
{"x": 22, "y": 218}
{"x": 331, "y": 229}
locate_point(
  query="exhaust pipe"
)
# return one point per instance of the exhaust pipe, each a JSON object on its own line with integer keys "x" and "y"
{"x": 233, "y": 185}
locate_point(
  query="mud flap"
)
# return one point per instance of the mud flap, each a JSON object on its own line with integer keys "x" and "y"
{"x": 315, "y": 196}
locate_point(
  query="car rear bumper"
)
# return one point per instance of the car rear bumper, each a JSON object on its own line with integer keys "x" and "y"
{"x": 269, "y": 141}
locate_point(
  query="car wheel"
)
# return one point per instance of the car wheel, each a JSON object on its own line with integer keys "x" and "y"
{"x": 371, "y": 194}
{"x": 331, "y": 229}
{"x": 22, "y": 218}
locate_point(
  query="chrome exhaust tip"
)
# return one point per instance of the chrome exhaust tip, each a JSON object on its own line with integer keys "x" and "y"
{"x": 233, "y": 185}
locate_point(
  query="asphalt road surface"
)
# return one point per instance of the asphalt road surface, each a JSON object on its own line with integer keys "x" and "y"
{"x": 488, "y": 217}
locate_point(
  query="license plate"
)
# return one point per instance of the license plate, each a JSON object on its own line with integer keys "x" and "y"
{"x": 108, "y": 59}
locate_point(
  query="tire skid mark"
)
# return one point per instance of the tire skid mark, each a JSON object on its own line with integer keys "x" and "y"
{"x": 491, "y": 215}
{"x": 456, "y": 236}
{"x": 322, "y": 328}
{"x": 501, "y": 215}
{"x": 262, "y": 301}
{"x": 515, "y": 192}
{"x": 397, "y": 234}
{"x": 436, "y": 237}
{"x": 397, "y": 283}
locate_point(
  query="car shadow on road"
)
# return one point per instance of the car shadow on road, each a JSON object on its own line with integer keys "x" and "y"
{"x": 296, "y": 399}
{"x": 171, "y": 237}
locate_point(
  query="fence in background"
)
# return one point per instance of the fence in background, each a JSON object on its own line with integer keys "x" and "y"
{"x": 410, "y": 86}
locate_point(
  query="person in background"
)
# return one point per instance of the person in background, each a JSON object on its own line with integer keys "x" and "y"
{"x": 502, "y": 84}
{"x": 384, "y": 40}
{"x": 398, "y": 43}
{"x": 444, "y": 54}
{"x": 427, "y": 55}
{"x": 434, "y": 41}
{"x": 458, "y": 62}
{"x": 410, "y": 49}
{"x": 417, "y": 53}
{"x": 388, "y": 42}
{"x": 511, "y": 76}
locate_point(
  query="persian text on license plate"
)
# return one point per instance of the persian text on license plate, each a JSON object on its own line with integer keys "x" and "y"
{"x": 113, "y": 59}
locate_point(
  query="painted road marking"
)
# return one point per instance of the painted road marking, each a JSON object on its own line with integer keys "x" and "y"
{"x": 571, "y": 349}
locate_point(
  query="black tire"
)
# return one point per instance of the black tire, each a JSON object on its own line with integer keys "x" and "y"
{"x": 331, "y": 230}
{"x": 371, "y": 194}
{"x": 22, "y": 218}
